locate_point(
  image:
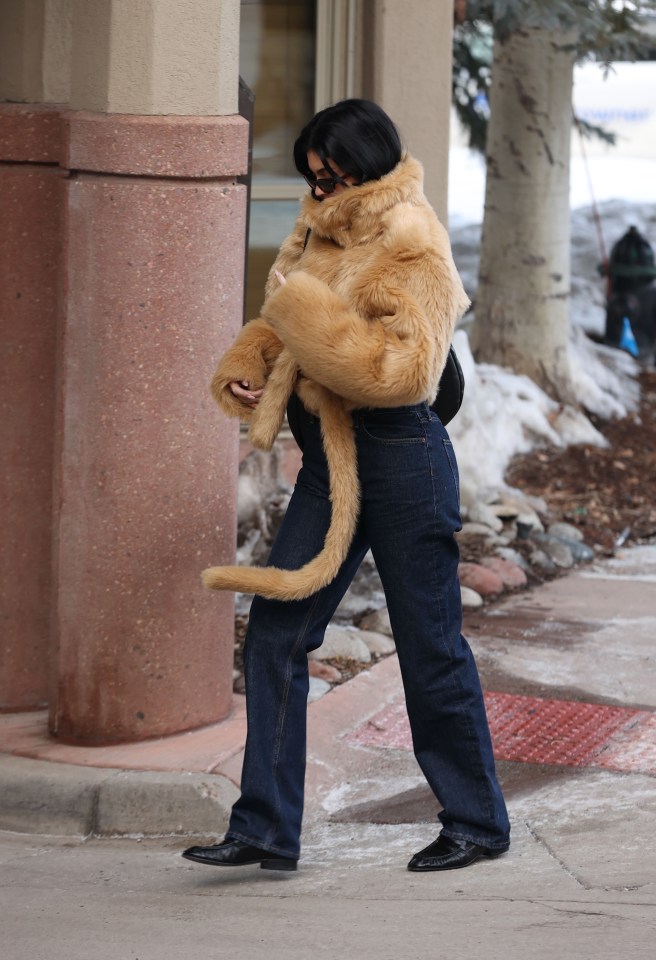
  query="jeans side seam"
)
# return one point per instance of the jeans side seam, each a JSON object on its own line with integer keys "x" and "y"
{"x": 282, "y": 714}
{"x": 487, "y": 799}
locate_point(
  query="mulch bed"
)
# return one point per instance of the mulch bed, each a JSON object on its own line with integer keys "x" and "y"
{"x": 609, "y": 494}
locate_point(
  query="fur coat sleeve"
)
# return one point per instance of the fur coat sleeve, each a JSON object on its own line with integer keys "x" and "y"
{"x": 254, "y": 352}
{"x": 386, "y": 342}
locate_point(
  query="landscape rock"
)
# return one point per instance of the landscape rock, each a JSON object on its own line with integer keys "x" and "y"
{"x": 538, "y": 558}
{"x": 565, "y": 531}
{"x": 506, "y": 511}
{"x": 377, "y": 622}
{"x": 509, "y": 532}
{"x": 378, "y": 644}
{"x": 581, "y": 552}
{"x": 537, "y": 504}
{"x": 556, "y": 549}
{"x": 484, "y": 581}
{"x": 342, "y": 643}
{"x": 514, "y": 556}
{"x": 317, "y": 689}
{"x": 470, "y": 599}
{"x": 246, "y": 550}
{"x": 324, "y": 671}
{"x": 512, "y": 576}
{"x": 262, "y": 499}
{"x": 364, "y": 594}
{"x": 481, "y": 533}
{"x": 481, "y": 536}
{"x": 483, "y": 513}
{"x": 475, "y": 529}
{"x": 531, "y": 520}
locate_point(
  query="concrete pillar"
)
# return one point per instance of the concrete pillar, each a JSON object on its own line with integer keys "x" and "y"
{"x": 33, "y": 67}
{"x": 30, "y": 242}
{"x": 408, "y": 72}
{"x": 145, "y": 483}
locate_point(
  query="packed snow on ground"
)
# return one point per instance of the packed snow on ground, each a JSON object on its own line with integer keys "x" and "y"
{"x": 504, "y": 414}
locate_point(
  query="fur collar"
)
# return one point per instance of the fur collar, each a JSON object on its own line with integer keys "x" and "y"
{"x": 356, "y": 215}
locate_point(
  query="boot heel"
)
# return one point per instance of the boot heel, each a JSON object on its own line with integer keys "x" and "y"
{"x": 493, "y": 854}
{"x": 278, "y": 865}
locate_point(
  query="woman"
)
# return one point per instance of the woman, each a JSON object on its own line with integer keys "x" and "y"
{"x": 364, "y": 296}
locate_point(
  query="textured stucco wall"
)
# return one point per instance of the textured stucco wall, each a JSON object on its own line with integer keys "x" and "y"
{"x": 411, "y": 78}
{"x": 176, "y": 57}
{"x": 35, "y": 50}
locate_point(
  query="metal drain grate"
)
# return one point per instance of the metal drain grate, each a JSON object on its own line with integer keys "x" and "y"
{"x": 533, "y": 730}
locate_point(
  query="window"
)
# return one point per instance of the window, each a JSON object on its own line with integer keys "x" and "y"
{"x": 296, "y": 57}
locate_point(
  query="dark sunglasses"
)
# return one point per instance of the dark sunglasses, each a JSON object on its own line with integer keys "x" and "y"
{"x": 325, "y": 184}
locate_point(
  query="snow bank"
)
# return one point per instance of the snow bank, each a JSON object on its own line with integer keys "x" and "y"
{"x": 504, "y": 414}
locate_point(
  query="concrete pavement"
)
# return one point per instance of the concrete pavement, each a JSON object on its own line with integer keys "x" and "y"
{"x": 569, "y": 671}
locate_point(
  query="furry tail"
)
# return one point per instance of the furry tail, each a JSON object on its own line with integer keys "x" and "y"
{"x": 276, "y": 584}
{"x": 268, "y": 415}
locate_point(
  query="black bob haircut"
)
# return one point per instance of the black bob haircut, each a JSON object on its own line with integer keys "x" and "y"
{"x": 357, "y": 134}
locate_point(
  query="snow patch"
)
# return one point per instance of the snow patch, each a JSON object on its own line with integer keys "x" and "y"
{"x": 603, "y": 378}
{"x": 502, "y": 414}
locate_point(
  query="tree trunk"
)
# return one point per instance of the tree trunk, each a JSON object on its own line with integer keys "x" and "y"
{"x": 524, "y": 281}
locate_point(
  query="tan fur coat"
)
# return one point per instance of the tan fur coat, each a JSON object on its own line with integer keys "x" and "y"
{"x": 365, "y": 319}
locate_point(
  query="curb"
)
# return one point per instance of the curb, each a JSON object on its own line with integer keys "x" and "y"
{"x": 58, "y": 799}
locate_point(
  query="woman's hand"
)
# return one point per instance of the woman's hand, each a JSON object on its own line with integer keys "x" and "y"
{"x": 240, "y": 389}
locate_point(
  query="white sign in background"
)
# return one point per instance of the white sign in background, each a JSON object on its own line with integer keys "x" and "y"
{"x": 623, "y": 101}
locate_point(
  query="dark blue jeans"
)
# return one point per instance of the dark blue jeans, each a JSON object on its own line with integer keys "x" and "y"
{"x": 409, "y": 514}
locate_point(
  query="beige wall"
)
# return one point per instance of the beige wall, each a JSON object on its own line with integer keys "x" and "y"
{"x": 57, "y": 22}
{"x": 35, "y": 41}
{"x": 155, "y": 57}
{"x": 408, "y": 71}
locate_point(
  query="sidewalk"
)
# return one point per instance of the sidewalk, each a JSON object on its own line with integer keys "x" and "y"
{"x": 569, "y": 671}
